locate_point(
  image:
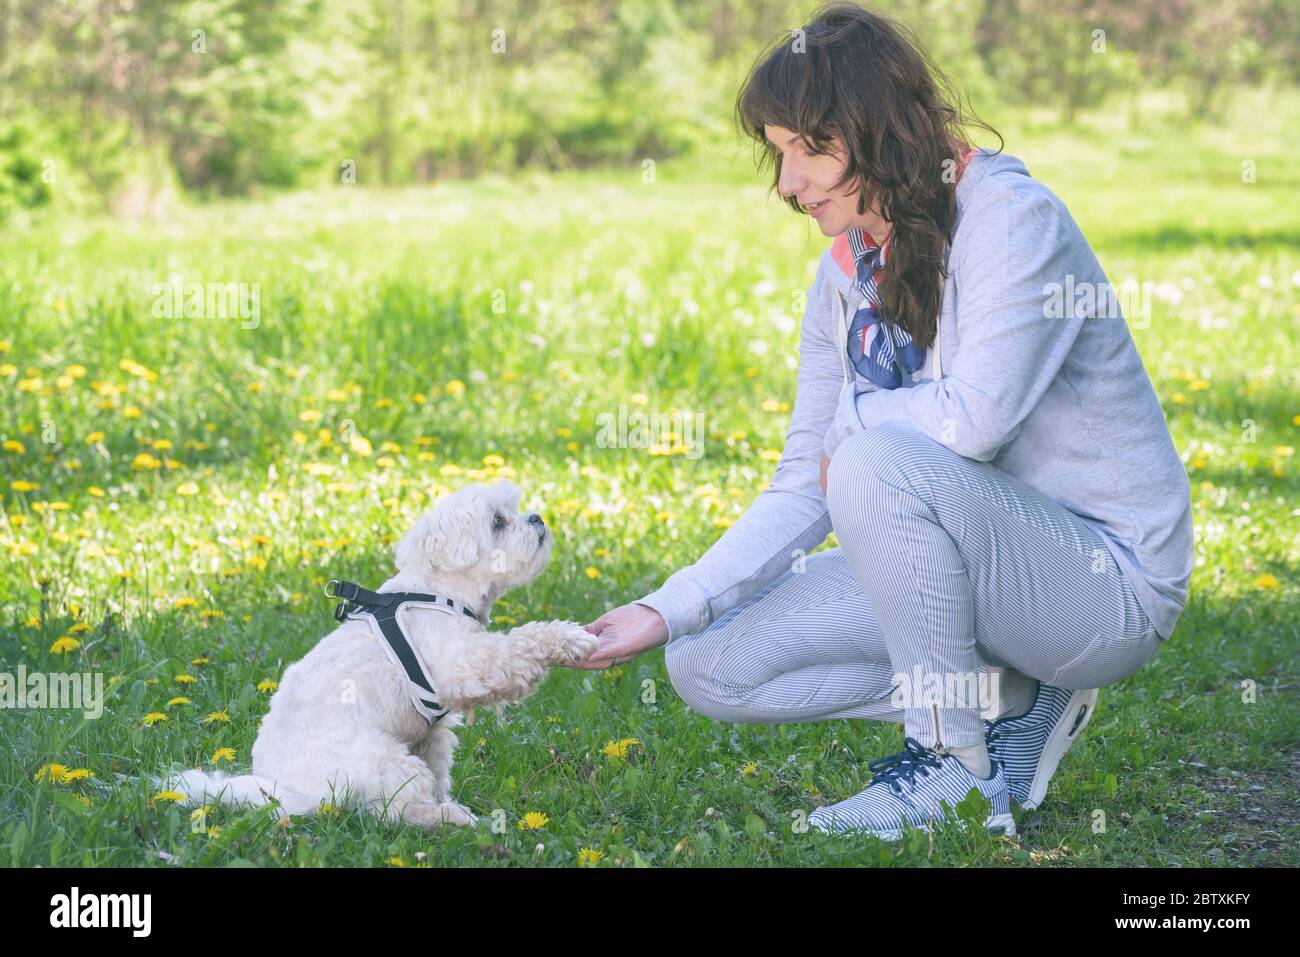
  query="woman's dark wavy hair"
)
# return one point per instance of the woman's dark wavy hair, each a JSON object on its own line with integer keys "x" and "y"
{"x": 865, "y": 79}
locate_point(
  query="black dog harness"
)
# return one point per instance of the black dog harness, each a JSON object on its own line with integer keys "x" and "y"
{"x": 380, "y": 610}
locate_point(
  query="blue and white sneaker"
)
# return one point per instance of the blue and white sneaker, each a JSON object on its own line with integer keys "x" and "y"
{"x": 1030, "y": 746}
{"x": 910, "y": 787}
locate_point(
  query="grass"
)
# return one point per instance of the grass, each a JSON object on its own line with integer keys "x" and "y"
{"x": 196, "y": 483}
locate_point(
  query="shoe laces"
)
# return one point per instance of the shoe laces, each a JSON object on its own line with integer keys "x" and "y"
{"x": 991, "y": 734}
{"x": 905, "y": 765}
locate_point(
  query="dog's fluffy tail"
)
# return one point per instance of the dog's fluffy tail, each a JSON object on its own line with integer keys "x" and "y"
{"x": 244, "y": 790}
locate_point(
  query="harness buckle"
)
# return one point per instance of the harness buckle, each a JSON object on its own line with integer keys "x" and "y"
{"x": 330, "y": 591}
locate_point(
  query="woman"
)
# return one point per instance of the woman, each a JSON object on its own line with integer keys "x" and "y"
{"x": 1008, "y": 501}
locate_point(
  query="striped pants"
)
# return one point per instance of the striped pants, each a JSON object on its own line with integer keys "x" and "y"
{"x": 945, "y": 566}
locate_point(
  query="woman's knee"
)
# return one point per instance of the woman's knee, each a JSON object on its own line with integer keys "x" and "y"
{"x": 698, "y": 677}
{"x": 892, "y": 453}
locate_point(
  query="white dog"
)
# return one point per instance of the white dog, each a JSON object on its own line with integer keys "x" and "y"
{"x": 342, "y": 725}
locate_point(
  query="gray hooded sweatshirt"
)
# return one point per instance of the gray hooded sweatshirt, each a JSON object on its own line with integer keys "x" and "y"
{"x": 1033, "y": 370}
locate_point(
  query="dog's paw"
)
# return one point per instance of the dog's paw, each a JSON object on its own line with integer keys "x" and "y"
{"x": 574, "y": 643}
{"x": 457, "y": 814}
{"x": 435, "y": 814}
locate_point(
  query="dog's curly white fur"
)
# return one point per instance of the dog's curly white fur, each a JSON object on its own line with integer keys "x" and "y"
{"x": 342, "y": 727}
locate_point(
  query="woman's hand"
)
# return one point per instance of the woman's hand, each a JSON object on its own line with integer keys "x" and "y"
{"x": 826, "y": 463}
{"x": 624, "y": 633}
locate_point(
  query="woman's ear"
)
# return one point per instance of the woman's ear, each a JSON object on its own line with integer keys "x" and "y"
{"x": 444, "y": 539}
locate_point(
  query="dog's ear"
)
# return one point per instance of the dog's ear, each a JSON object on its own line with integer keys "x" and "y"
{"x": 444, "y": 539}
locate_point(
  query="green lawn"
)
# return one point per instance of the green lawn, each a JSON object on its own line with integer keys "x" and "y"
{"x": 195, "y": 486}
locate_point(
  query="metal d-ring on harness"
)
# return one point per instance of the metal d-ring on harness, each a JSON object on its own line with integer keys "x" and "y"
{"x": 380, "y": 610}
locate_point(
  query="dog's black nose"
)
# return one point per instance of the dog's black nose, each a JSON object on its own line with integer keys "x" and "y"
{"x": 535, "y": 519}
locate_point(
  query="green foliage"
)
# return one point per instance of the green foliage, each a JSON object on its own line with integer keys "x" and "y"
{"x": 135, "y": 102}
{"x": 23, "y": 170}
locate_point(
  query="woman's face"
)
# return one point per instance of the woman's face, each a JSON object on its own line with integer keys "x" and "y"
{"x": 810, "y": 178}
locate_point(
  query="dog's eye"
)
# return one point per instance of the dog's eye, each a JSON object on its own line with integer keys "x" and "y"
{"x": 498, "y": 522}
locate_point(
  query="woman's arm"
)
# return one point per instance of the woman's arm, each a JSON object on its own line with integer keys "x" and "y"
{"x": 1016, "y": 245}
{"x": 789, "y": 516}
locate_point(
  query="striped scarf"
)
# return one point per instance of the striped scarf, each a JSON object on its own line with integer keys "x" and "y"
{"x": 880, "y": 350}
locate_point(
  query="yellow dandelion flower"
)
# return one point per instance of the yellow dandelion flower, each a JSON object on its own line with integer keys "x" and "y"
{"x": 455, "y": 388}
{"x": 216, "y": 716}
{"x": 22, "y": 485}
{"x": 589, "y": 857}
{"x": 13, "y": 445}
{"x": 96, "y": 491}
{"x": 591, "y": 572}
{"x": 5, "y": 346}
{"x": 53, "y": 773}
{"x": 492, "y": 459}
{"x": 64, "y": 645}
{"x": 145, "y": 462}
{"x": 361, "y": 445}
{"x": 184, "y": 679}
{"x": 200, "y": 813}
{"x": 750, "y": 768}
{"x": 266, "y": 686}
{"x": 533, "y": 821}
{"x": 319, "y": 468}
{"x": 153, "y": 717}
{"x": 620, "y": 748}
{"x": 223, "y": 754}
{"x": 180, "y": 699}
{"x": 256, "y": 387}
{"x": 309, "y": 415}
{"x": 185, "y": 601}
{"x": 770, "y": 455}
{"x": 1266, "y": 581}
{"x": 79, "y": 774}
{"x": 173, "y": 796}
{"x": 188, "y": 488}
{"x": 131, "y": 412}
{"x": 80, "y": 628}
